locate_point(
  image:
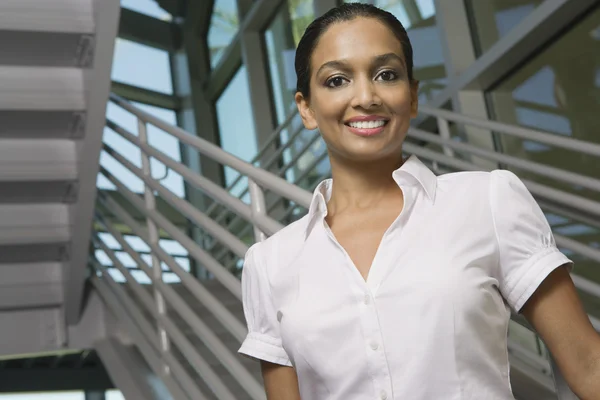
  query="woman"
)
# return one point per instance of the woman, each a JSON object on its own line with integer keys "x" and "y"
{"x": 398, "y": 284}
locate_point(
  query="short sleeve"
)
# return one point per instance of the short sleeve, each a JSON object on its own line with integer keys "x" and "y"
{"x": 526, "y": 245}
{"x": 263, "y": 341}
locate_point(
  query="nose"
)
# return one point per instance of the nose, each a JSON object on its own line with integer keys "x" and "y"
{"x": 365, "y": 94}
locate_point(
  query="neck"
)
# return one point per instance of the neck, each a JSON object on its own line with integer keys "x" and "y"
{"x": 362, "y": 185}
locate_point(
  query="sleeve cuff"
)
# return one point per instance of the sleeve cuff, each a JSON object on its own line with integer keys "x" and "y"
{"x": 266, "y": 348}
{"x": 537, "y": 268}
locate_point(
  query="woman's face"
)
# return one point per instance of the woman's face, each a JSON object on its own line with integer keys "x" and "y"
{"x": 361, "y": 99}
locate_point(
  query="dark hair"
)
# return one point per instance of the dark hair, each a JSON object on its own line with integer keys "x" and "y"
{"x": 345, "y": 12}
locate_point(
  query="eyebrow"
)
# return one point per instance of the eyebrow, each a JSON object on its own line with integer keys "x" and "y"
{"x": 378, "y": 60}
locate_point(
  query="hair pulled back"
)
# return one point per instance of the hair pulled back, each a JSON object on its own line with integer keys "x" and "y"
{"x": 345, "y": 12}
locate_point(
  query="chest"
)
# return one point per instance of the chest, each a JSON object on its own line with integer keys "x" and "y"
{"x": 360, "y": 235}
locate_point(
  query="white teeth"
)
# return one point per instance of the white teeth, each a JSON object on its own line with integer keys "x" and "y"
{"x": 367, "y": 124}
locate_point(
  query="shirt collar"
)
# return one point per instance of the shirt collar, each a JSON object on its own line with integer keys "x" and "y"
{"x": 412, "y": 172}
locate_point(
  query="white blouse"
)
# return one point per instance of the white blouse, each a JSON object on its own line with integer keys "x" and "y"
{"x": 430, "y": 322}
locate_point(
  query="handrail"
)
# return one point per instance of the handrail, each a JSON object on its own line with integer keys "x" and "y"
{"x": 223, "y": 315}
{"x": 207, "y": 186}
{"x": 148, "y": 351}
{"x": 256, "y": 214}
{"x": 281, "y": 171}
{"x": 517, "y": 131}
{"x": 273, "y": 157}
{"x": 214, "y": 152}
{"x": 540, "y": 169}
{"x": 213, "y": 381}
{"x": 200, "y": 328}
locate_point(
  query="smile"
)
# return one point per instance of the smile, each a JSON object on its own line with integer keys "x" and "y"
{"x": 367, "y": 124}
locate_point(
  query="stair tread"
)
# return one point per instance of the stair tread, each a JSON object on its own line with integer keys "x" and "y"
{"x": 41, "y": 88}
{"x": 47, "y": 16}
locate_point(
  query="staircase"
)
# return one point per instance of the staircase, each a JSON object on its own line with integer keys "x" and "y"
{"x": 189, "y": 332}
{"x": 54, "y": 86}
{"x": 54, "y": 82}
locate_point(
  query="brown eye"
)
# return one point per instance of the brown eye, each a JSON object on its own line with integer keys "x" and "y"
{"x": 335, "y": 82}
{"x": 387, "y": 76}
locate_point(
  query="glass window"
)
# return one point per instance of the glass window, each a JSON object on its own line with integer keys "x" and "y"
{"x": 224, "y": 24}
{"x": 418, "y": 17}
{"x": 140, "y": 65}
{"x": 147, "y": 7}
{"x": 114, "y": 395}
{"x": 556, "y": 92}
{"x": 43, "y": 396}
{"x": 493, "y": 19}
{"x": 171, "y": 247}
{"x": 236, "y": 127}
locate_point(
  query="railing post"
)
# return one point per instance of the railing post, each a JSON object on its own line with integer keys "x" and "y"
{"x": 258, "y": 206}
{"x": 154, "y": 238}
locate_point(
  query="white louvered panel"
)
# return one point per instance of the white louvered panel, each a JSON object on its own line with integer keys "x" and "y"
{"x": 34, "y": 223}
{"x": 41, "y": 88}
{"x": 69, "y": 16}
{"x": 37, "y": 160}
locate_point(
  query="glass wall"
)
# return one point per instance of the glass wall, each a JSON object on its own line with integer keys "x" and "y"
{"x": 147, "y": 7}
{"x": 558, "y": 91}
{"x": 43, "y": 396}
{"x": 236, "y": 126}
{"x": 493, "y": 19}
{"x": 224, "y": 24}
{"x": 142, "y": 66}
{"x": 418, "y": 17}
{"x": 172, "y": 247}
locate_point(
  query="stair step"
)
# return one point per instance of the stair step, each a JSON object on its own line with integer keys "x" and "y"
{"x": 37, "y": 160}
{"x": 30, "y": 285}
{"x": 31, "y": 124}
{"x": 32, "y": 253}
{"x": 34, "y": 223}
{"x": 47, "y": 49}
{"x": 67, "y": 16}
{"x": 38, "y": 192}
{"x": 48, "y": 33}
{"x": 41, "y": 89}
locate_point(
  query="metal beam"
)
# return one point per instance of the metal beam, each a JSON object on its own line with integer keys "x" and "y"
{"x": 97, "y": 82}
{"x": 540, "y": 27}
{"x": 146, "y": 96}
{"x": 258, "y": 16}
{"x": 149, "y": 31}
{"x": 456, "y": 38}
{"x": 218, "y": 79}
{"x": 54, "y": 379}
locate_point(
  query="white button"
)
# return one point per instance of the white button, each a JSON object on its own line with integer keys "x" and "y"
{"x": 383, "y": 395}
{"x": 374, "y": 345}
{"x": 367, "y": 299}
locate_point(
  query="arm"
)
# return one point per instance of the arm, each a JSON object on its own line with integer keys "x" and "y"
{"x": 556, "y": 312}
{"x": 281, "y": 382}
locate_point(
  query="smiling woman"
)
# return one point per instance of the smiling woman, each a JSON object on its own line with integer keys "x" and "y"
{"x": 399, "y": 284}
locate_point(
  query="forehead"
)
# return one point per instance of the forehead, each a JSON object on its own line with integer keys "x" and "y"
{"x": 360, "y": 38}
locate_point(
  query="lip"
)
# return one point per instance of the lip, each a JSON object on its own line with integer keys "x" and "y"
{"x": 366, "y": 132}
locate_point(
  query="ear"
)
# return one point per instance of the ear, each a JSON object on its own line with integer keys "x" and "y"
{"x": 414, "y": 98}
{"x": 308, "y": 118}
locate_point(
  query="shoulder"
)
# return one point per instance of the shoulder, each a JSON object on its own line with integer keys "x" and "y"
{"x": 277, "y": 251}
{"x": 480, "y": 181}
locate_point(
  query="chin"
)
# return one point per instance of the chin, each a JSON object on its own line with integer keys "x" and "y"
{"x": 368, "y": 155}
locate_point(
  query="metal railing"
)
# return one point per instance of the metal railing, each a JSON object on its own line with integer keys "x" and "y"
{"x": 148, "y": 314}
